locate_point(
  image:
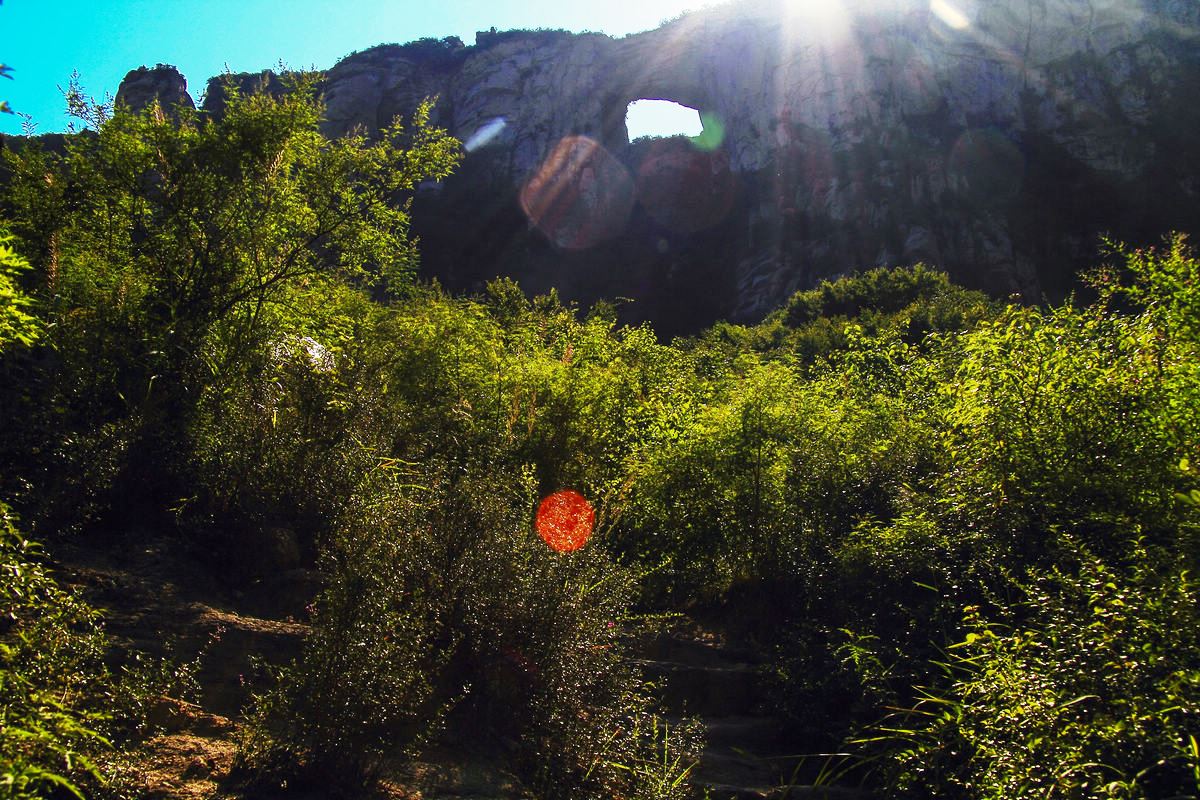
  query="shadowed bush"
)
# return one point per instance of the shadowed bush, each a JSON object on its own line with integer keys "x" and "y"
{"x": 447, "y": 617}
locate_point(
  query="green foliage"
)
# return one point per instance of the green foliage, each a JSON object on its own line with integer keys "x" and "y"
{"x": 765, "y": 477}
{"x": 167, "y": 250}
{"x": 1090, "y": 690}
{"x": 17, "y": 326}
{"x": 443, "y": 53}
{"x": 1057, "y": 413}
{"x": 66, "y": 717}
{"x": 910, "y": 302}
{"x": 192, "y": 223}
{"x": 229, "y": 302}
{"x": 1164, "y": 283}
{"x": 883, "y": 482}
{"x": 409, "y": 444}
{"x": 931, "y": 301}
{"x": 51, "y": 673}
{"x": 1066, "y": 437}
{"x": 445, "y": 611}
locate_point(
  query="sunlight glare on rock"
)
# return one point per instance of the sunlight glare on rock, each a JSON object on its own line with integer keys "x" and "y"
{"x": 661, "y": 118}
{"x": 949, "y": 14}
{"x": 565, "y": 520}
{"x": 816, "y": 20}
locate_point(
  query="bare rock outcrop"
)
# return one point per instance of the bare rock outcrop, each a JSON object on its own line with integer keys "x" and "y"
{"x": 163, "y": 83}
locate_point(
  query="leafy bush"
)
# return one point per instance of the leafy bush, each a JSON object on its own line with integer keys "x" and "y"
{"x": 1064, "y": 522}
{"x": 51, "y": 676}
{"x": 927, "y": 295}
{"x": 1091, "y": 689}
{"x": 165, "y": 248}
{"x": 16, "y": 324}
{"x": 444, "y": 611}
{"x": 1054, "y": 419}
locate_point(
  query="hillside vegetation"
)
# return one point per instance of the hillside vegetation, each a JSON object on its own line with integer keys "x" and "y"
{"x": 965, "y": 533}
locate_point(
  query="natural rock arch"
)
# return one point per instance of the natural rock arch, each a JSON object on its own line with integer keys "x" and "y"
{"x": 998, "y": 151}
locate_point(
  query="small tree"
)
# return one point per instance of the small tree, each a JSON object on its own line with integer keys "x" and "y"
{"x": 169, "y": 235}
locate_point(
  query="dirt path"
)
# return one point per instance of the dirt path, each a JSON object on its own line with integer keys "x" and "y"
{"x": 155, "y": 601}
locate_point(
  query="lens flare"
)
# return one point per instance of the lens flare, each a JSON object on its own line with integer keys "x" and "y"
{"x": 712, "y": 133}
{"x": 685, "y": 189}
{"x": 580, "y": 195}
{"x": 949, "y": 15}
{"x": 565, "y": 520}
{"x": 485, "y": 134}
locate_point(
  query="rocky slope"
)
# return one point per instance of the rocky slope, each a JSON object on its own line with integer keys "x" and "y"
{"x": 997, "y": 139}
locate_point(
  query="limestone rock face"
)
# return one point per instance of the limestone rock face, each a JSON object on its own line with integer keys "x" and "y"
{"x": 997, "y": 139}
{"x": 164, "y": 83}
{"x": 215, "y": 92}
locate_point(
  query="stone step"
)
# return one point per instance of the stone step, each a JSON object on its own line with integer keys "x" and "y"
{"x": 730, "y": 767}
{"x": 749, "y": 755}
{"x": 721, "y": 791}
{"x": 227, "y": 650}
{"x": 231, "y": 664}
{"x": 707, "y": 691}
{"x": 724, "y": 791}
{"x": 760, "y": 734}
{"x": 754, "y": 751}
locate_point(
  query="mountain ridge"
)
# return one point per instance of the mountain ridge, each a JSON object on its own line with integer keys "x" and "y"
{"x": 998, "y": 141}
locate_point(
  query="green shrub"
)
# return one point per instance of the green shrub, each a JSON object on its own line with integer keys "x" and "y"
{"x": 445, "y": 613}
{"x": 926, "y": 294}
{"x": 1066, "y": 439}
{"x": 16, "y": 324}
{"x": 52, "y": 677}
{"x": 167, "y": 248}
{"x": 1090, "y": 688}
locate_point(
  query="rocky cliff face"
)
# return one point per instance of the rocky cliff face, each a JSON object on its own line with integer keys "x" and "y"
{"x": 997, "y": 139}
{"x": 162, "y": 84}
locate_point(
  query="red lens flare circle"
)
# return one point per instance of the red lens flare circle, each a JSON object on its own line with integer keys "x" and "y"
{"x": 565, "y": 520}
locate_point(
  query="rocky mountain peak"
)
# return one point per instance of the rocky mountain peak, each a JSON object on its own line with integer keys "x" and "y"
{"x": 145, "y": 85}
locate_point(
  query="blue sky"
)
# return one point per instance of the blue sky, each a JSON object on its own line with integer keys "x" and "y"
{"x": 44, "y": 40}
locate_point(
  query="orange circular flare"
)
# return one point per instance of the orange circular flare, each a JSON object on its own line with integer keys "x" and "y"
{"x": 564, "y": 520}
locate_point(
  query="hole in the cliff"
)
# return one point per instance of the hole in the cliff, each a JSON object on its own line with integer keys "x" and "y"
{"x": 661, "y": 118}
